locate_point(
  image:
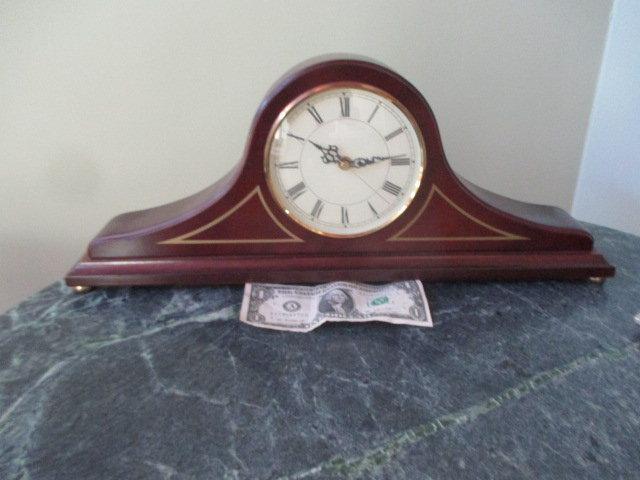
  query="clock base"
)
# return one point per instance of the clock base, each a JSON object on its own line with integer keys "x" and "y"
{"x": 293, "y": 269}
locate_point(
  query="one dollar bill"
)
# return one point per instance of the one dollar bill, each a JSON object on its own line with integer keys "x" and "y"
{"x": 299, "y": 308}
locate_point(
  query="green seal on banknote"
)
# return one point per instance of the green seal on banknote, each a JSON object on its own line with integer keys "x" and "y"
{"x": 379, "y": 301}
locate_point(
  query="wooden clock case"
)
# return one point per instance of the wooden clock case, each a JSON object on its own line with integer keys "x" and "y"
{"x": 235, "y": 232}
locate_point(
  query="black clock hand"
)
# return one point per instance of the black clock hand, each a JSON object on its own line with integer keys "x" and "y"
{"x": 331, "y": 150}
{"x": 331, "y": 154}
{"x": 363, "y": 161}
{"x": 319, "y": 147}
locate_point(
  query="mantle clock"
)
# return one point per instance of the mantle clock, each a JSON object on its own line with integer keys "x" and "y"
{"x": 344, "y": 177}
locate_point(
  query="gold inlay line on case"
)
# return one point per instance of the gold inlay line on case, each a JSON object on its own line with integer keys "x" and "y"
{"x": 184, "y": 238}
{"x": 503, "y": 235}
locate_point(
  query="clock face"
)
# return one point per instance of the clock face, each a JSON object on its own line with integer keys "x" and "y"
{"x": 344, "y": 160}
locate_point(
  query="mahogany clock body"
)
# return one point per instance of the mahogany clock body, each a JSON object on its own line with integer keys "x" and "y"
{"x": 235, "y": 232}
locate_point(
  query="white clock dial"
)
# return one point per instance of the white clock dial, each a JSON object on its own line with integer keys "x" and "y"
{"x": 345, "y": 160}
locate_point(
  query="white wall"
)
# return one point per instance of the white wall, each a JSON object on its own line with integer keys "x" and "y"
{"x": 112, "y": 106}
{"x": 608, "y": 190}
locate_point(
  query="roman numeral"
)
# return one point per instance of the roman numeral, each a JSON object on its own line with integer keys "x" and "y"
{"x": 373, "y": 210}
{"x": 345, "y": 107}
{"x": 287, "y": 165}
{"x": 391, "y": 188}
{"x": 295, "y": 136}
{"x": 317, "y": 209}
{"x": 314, "y": 113}
{"x": 345, "y": 216}
{"x": 297, "y": 190}
{"x": 395, "y": 133}
{"x": 375, "y": 110}
{"x": 400, "y": 160}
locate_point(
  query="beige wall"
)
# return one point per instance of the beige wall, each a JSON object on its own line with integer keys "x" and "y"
{"x": 112, "y": 106}
{"x": 608, "y": 188}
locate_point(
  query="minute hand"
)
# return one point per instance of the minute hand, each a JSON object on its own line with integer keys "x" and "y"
{"x": 364, "y": 161}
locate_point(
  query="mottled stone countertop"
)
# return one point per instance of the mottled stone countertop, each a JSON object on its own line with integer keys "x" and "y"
{"x": 516, "y": 380}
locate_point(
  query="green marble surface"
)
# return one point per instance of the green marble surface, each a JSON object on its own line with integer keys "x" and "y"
{"x": 516, "y": 380}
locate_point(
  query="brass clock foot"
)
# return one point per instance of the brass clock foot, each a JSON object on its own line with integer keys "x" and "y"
{"x": 596, "y": 279}
{"x": 81, "y": 288}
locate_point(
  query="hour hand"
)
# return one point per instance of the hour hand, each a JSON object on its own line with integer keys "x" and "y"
{"x": 329, "y": 154}
{"x": 319, "y": 147}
